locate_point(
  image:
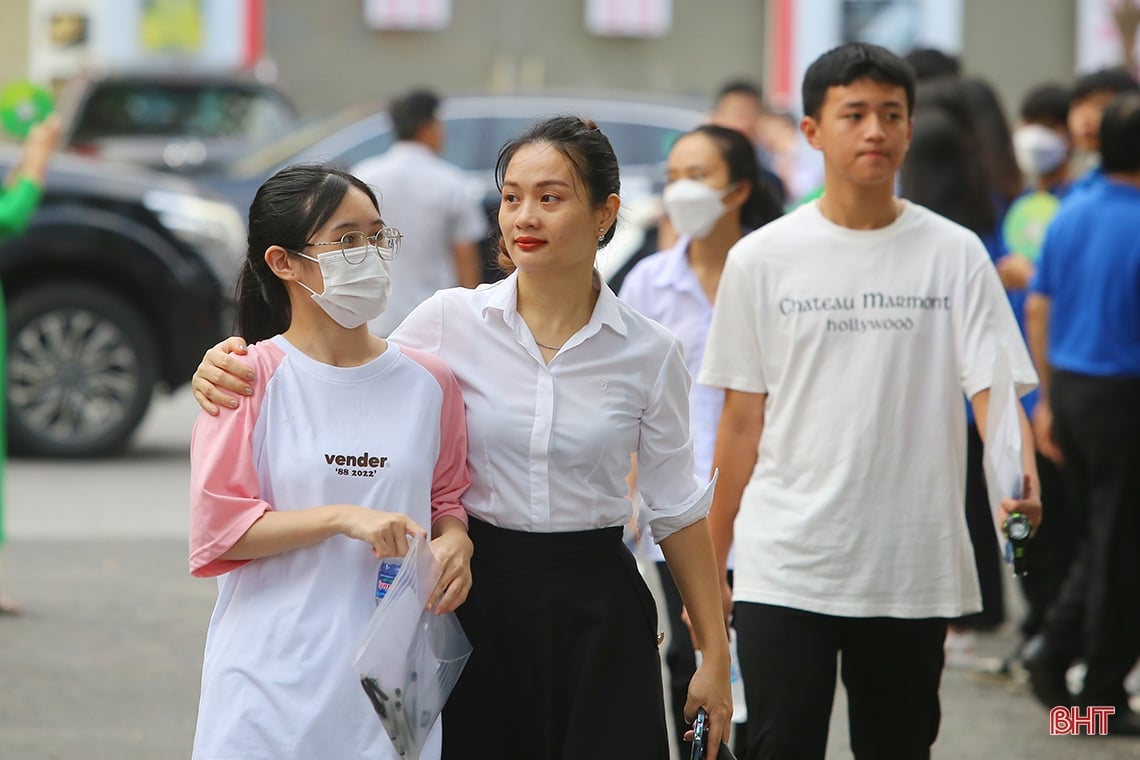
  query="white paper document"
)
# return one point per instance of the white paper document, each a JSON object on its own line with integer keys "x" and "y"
{"x": 1001, "y": 459}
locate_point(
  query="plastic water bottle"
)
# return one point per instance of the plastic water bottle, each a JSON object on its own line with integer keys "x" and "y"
{"x": 736, "y": 681}
{"x": 389, "y": 566}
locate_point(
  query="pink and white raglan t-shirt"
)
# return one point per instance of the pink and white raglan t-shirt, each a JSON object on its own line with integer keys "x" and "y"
{"x": 277, "y": 677}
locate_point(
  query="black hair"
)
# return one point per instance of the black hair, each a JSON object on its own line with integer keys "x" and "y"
{"x": 587, "y": 149}
{"x": 287, "y": 209}
{"x": 412, "y": 111}
{"x": 1046, "y": 104}
{"x": 1114, "y": 80}
{"x": 845, "y": 64}
{"x": 996, "y": 138}
{"x": 1120, "y": 135}
{"x": 931, "y": 63}
{"x": 949, "y": 96}
{"x": 941, "y": 170}
{"x": 740, "y": 156}
{"x": 740, "y": 87}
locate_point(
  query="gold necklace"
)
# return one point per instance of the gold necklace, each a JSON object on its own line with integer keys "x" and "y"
{"x": 548, "y": 348}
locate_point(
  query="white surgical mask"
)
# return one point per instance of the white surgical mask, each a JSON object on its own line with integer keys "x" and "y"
{"x": 693, "y": 207}
{"x": 1039, "y": 150}
{"x": 354, "y": 293}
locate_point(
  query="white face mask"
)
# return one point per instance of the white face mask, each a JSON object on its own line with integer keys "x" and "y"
{"x": 1039, "y": 150}
{"x": 693, "y": 207}
{"x": 354, "y": 293}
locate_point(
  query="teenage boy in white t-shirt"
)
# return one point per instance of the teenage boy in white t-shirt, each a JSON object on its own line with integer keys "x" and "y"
{"x": 846, "y": 333}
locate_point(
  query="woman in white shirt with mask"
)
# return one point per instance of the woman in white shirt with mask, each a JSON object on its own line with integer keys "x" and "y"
{"x": 712, "y": 202}
{"x": 562, "y": 383}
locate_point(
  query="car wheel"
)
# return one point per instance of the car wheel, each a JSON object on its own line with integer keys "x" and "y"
{"x": 81, "y": 370}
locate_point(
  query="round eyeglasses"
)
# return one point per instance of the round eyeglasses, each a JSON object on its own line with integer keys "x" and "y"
{"x": 355, "y": 246}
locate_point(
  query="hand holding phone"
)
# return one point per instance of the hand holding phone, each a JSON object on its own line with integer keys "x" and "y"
{"x": 700, "y": 735}
{"x": 701, "y": 740}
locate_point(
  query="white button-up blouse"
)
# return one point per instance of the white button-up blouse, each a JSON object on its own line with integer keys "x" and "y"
{"x": 549, "y": 444}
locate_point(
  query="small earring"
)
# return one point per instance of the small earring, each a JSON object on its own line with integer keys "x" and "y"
{"x": 601, "y": 234}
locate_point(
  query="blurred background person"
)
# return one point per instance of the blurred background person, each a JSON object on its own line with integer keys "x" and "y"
{"x": 995, "y": 139}
{"x": 932, "y": 63}
{"x": 945, "y": 172}
{"x": 442, "y": 224}
{"x": 1091, "y": 94}
{"x": 793, "y": 159}
{"x": 1042, "y": 147}
{"x": 19, "y": 199}
{"x": 1042, "y": 142}
{"x": 711, "y": 201}
{"x": 1084, "y": 320}
{"x": 739, "y": 105}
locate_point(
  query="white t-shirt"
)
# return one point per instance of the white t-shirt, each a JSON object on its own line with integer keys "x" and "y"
{"x": 424, "y": 197}
{"x": 277, "y": 677}
{"x": 551, "y": 443}
{"x": 864, "y": 342}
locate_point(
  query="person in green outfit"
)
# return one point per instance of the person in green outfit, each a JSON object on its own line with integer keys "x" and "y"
{"x": 19, "y": 199}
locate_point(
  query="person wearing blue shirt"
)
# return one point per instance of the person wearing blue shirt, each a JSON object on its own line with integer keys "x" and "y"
{"x": 1084, "y": 329}
{"x": 1043, "y": 146}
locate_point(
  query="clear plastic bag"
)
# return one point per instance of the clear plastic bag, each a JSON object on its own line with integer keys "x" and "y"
{"x": 409, "y": 659}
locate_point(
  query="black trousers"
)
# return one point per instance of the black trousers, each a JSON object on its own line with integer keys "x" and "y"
{"x": 1051, "y": 553}
{"x": 564, "y": 663}
{"x": 891, "y": 668}
{"x": 1097, "y": 425}
{"x": 1048, "y": 559}
{"x": 987, "y": 552}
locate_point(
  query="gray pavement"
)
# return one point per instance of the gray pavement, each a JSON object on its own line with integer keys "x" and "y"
{"x": 105, "y": 663}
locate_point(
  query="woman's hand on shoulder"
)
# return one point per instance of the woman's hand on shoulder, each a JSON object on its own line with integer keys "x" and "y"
{"x": 220, "y": 372}
{"x": 452, "y": 550}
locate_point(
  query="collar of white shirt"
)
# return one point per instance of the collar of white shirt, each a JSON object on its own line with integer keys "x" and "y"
{"x": 411, "y": 146}
{"x": 502, "y": 298}
{"x": 675, "y": 272}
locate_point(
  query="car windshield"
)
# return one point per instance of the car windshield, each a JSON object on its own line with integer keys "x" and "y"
{"x": 473, "y": 143}
{"x": 307, "y": 137}
{"x": 472, "y": 140}
{"x": 132, "y": 109}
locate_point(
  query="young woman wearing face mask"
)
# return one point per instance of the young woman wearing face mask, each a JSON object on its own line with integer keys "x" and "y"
{"x": 710, "y": 202}
{"x": 562, "y": 383}
{"x": 347, "y": 445}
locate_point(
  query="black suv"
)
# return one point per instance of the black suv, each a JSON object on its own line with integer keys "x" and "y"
{"x": 122, "y": 280}
{"x": 185, "y": 122}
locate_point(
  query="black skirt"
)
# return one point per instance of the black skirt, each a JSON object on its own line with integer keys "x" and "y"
{"x": 565, "y": 663}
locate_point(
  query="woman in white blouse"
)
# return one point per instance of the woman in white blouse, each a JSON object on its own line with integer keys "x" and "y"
{"x": 562, "y": 382}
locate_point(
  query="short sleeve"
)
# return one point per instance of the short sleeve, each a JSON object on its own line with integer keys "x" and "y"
{"x": 225, "y": 491}
{"x": 988, "y": 322}
{"x": 673, "y": 496}
{"x": 733, "y": 357}
{"x": 450, "y": 478}
{"x": 470, "y": 221}
{"x": 17, "y": 205}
